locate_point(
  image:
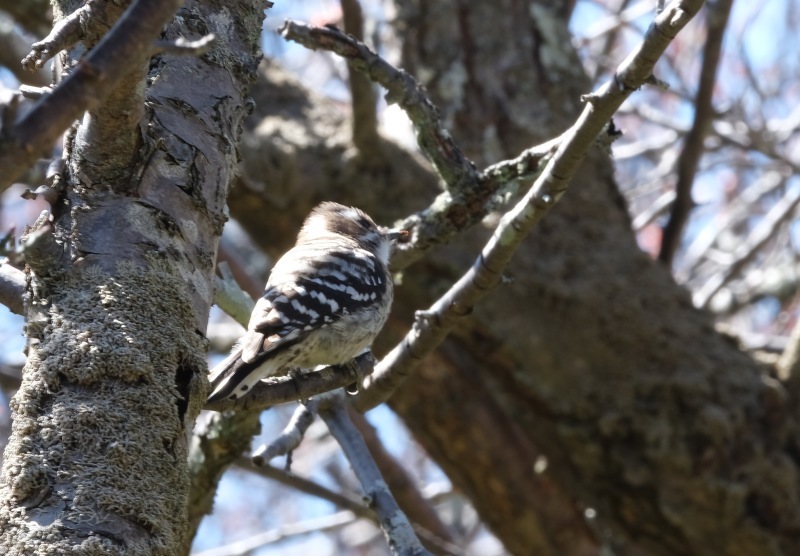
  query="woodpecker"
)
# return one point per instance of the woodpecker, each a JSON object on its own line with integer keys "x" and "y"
{"x": 325, "y": 301}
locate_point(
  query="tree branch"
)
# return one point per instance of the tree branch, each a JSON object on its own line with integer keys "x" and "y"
{"x": 420, "y": 511}
{"x": 128, "y": 42}
{"x": 432, "y": 326}
{"x": 314, "y": 525}
{"x": 12, "y": 287}
{"x": 365, "y": 117}
{"x": 277, "y": 390}
{"x": 309, "y": 487}
{"x": 693, "y": 144}
{"x": 398, "y": 531}
{"x": 433, "y": 139}
{"x": 289, "y": 439}
{"x": 62, "y": 36}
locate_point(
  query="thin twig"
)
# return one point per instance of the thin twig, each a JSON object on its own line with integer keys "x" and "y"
{"x": 34, "y": 93}
{"x": 310, "y": 487}
{"x": 315, "y": 525}
{"x": 344, "y": 502}
{"x": 64, "y": 35}
{"x": 420, "y": 510}
{"x": 433, "y": 139}
{"x": 766, "y": 230}
{"x": 238, "y": 269}
{"x": 283, "y": 389}
{"x": 230, "y": 297}
{"x": 470, "y": 194}
{"x": 739, "y": 209}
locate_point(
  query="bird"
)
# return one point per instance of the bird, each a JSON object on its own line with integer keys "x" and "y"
{"x": 324, "y": 303}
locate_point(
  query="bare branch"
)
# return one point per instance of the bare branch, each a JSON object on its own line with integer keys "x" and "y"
{"x": 289, "y": 439}
{"x": 429, "y": 526}
{"x": 12, "y": 287}
{"x": 315, "y": 525}
{"x": 398, "y": 531}
{"x": 433, "y": 325}
{"x": 64, "y": 35}
{"x": 230, "y": 297}
{"x": 469, "y": 193}
{"x": 219, "y": 439}
{"x": 365, "y": 117}
{"x": 693, "y": 144}
{"x": 237, "y": 271}
{"x": 403, "y": 89}
{"x": 128, "y": 43}
{"x": 738, "y": 210}
{"x": 34, "y": 93}
{"x": 438, "y": 544}
{"x": 309, "y": 487}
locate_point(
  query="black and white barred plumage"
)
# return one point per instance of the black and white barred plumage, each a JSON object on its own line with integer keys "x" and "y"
{"x": 325, "y": 301}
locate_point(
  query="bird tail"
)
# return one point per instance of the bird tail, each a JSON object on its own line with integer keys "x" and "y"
{"x": 229, "y": 375}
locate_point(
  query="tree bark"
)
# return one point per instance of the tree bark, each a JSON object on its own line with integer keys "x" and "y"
{"x": 119, "y": 289}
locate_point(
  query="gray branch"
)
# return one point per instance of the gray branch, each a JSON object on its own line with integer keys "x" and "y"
{"x": 129, "y": 42}
{"x": 396, "y": 527}
{"x": 289, "y": 439}
{"x": 12, "y": 287}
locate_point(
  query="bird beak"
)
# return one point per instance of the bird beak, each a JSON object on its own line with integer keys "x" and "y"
{"x": 398, "y": 236}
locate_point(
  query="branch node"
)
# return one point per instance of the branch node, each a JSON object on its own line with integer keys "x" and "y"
{"x": 65, "y": 33}
{"x": 49, "y": 193}
{"x": 589, "y": 98}
{"x": 656, "y": 82}
{"x": 41, "y": 250}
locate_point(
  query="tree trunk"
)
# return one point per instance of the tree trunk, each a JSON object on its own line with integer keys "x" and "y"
{"x": 120, "y": 286}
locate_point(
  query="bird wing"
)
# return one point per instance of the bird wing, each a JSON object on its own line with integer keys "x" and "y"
{"x": 271, "y": 325}
{"x": 320, "y": 292}
{"x": 313, "y": 292}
